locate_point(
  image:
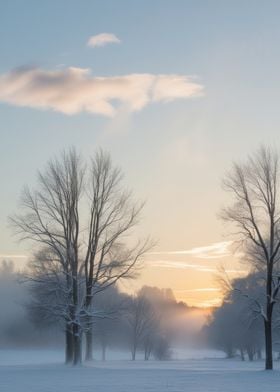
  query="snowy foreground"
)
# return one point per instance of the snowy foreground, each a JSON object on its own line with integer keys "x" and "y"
{"x": 25, "y": 371}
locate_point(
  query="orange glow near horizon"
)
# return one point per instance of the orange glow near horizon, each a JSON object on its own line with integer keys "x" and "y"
{"x": 191, "y": 274}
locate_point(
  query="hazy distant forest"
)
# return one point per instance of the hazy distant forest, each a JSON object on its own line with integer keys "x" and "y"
{"x": 81, "y": 223}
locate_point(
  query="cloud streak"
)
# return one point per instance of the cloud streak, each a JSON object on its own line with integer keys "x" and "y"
{"x": 213, "y": 251}
{"x": 75, "y": 90}
{"x": 202, "y": 290}
{"x": 5, "y": 256}
{"x": 174, "y": 264}
{"x": 179, "y": 265}
{"x": 211, "y": 303}
{"x": 102, "y": 40}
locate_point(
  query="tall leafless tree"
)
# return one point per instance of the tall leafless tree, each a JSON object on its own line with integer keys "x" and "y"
{"x": 255, "y": 211}
{"x": 51, "y": 218}
{"x": 113, "y": 215}
{"x": 83, "y": 217}
{"x": 141, "y": 320}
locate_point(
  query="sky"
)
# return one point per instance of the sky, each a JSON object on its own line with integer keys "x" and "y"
{"x": 174, "y": 90}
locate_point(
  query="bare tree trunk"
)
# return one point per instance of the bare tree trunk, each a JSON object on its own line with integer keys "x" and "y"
{"x": 68, "y": 345}
{"x": 146, "y": 355}
{"x": 242, "y": 354}
{"x": 268, "y": 321}
{"x": 268, "y": 344}
{"x": 77, "y": 333}
{"x": 103, "y": 351}
{"x": 77, "y": 355}
{"x": 133, "y": 352}
{"x": 147, "y": 351}
{"x": 250, "y": 353}
{"x": 89, "y": 345}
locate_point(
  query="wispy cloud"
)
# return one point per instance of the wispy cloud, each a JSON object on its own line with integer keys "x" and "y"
{"x": 204, "y": 289}
{"x": 213, "y": 251}
{"x": 187, "y": 265}
{"x": 103, "y": 39}
{"x": 211, "y": 302}
{"x": 75, "y": 90}
{"x": 180, "y": 265}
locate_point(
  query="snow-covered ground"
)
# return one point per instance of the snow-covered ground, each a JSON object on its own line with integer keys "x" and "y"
{"x": 36, "y": 371}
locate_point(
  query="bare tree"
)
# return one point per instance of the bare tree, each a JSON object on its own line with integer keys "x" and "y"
{"x": 83, "y": 217}
{"x": 110, "y": 305}
{"x": 51, "y": 218}
{"x": 141, "y": 319}
{"x": 113, "y": 216}
{"x": 255, "y": 211}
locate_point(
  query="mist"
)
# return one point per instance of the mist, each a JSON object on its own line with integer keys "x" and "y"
{"x": 166, "y": 327}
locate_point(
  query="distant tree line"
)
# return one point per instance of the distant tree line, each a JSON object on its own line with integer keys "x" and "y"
{"x": 139, "y": 324}
{"x": 235, "y": 327}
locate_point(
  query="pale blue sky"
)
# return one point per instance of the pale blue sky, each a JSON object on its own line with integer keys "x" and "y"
{"x": 174, "y": 154}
